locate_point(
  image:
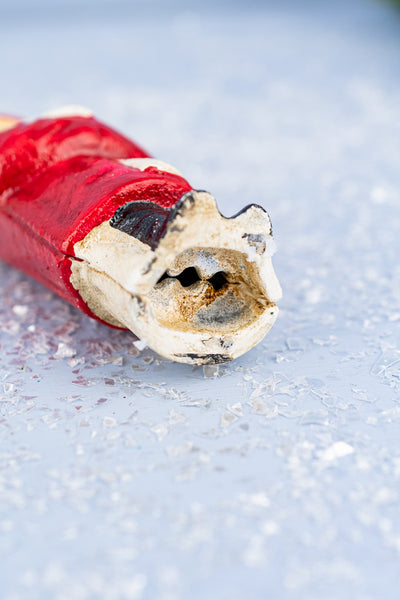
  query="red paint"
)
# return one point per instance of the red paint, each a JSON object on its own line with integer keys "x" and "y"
{"x": 61, "y": 177}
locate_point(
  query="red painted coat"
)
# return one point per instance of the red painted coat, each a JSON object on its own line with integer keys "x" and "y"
{"x": 61, "y": 177}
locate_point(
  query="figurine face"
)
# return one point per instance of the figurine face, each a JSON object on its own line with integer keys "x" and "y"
{"x": 207, "y": 289}
{"x": 198, "y": 287}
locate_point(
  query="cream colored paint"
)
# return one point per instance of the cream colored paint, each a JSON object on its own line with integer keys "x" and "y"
{"x": 117, "y": 277}
{"x": 7, "y": 123}
{"x": 145, "y": 163}
{"x": 71, "y": 110}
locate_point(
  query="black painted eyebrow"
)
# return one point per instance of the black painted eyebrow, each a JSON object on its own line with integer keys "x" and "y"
{"x": 146, "y": 221}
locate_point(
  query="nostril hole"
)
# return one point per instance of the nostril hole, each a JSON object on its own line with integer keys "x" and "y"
{"x": 218, "y": 280}
{"x": 188, "y": 277}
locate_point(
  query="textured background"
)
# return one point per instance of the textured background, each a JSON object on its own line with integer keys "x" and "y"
{"x": 125, "y": 477}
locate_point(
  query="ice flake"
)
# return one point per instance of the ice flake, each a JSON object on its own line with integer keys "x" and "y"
{"x": 210, "y": 371}
{"x": 160, "y": 430}
{"x": 114, "y": 359}
{"x": 196, "y": 402}
{"x": 20, "y": 310}
{"x": 236, "y": 409}
{"x": 380, "y": 194}
{"x": 64, "y": 351}
{"x": 227, "y": 419}
{"x": 336, "y": 450}
{"x": 187, "y": 473}
{"x": 73, "y": 362}
{"x": 79, "y": 450}
{"x": 313, "y": 295}
{"x": 261, "y": 408}
{"x": 385, "y": 495}
{"x": 269, "y": 528}
{"x": 8, "y": 387}
{"x": 176, "y": 417}
{"x": 174, "y": 451}
{"x": 140, "y": 345}
{"x": 254, "y": 503}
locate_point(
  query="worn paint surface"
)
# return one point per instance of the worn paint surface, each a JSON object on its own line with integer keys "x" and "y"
{"x": 63, "y": 178}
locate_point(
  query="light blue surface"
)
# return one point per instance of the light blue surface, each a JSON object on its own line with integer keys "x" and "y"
{"x": 123, "y": 476}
